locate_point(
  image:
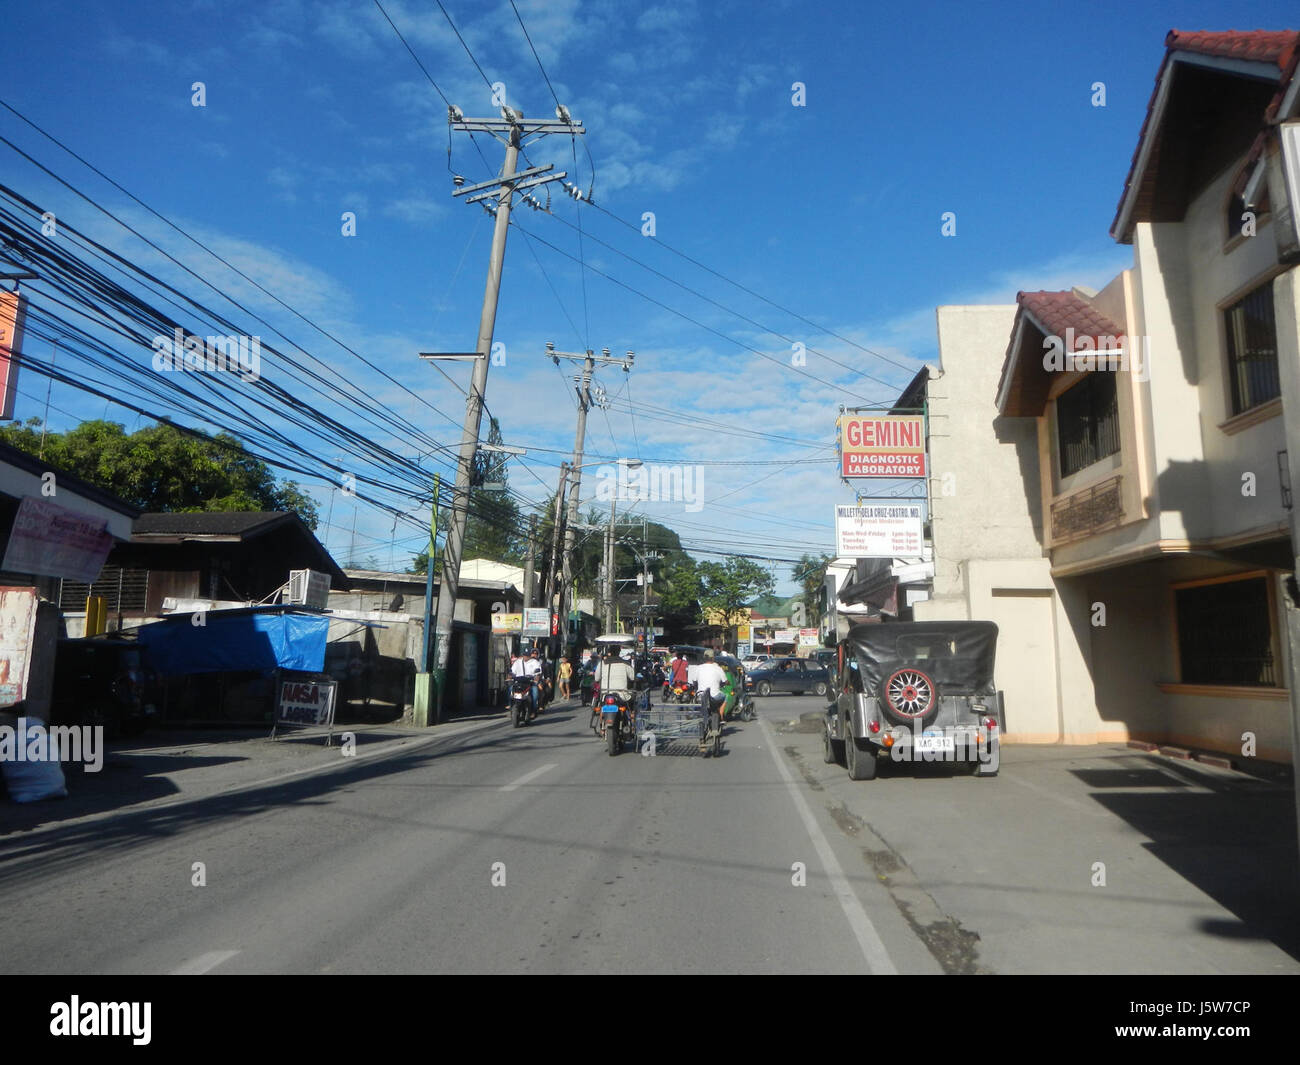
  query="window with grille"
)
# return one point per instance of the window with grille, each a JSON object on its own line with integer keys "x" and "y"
{"x": 1225, "y": 634}
{"x": 1252, "y": 350}
{"x": 1087, "y": 423}
{"x": 123, "y": 590}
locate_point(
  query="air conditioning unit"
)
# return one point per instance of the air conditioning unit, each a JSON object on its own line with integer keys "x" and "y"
{"x": 307, "y": 587}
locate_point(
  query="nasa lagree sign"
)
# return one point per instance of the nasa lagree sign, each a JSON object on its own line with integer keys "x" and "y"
{"x": 308, "y": 702}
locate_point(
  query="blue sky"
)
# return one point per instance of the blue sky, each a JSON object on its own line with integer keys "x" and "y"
{"x": 831, "y": 210}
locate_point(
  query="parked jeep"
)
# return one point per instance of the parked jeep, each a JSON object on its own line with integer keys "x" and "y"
{"x": 921, "y": 691}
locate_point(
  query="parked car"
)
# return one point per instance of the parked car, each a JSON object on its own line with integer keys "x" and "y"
{"x": 788, "y": 675}
{"x": 750, "y": 661}
{"x": 923, "y": 691}
{"x": 825, "y": 657}
{"x": 102, "y": 681}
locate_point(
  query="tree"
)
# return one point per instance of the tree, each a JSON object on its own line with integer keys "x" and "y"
{"x": 161, "y": 468}
{"x": 810, "y": 571}
{"x": 728, "y": 586}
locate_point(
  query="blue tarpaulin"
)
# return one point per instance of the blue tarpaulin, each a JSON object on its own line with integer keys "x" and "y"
{"x": 236, "y": 642}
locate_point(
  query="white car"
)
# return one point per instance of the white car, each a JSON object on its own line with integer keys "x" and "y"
{"x": 750, "y": 661}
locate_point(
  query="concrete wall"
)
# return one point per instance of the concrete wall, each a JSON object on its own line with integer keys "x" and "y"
{"x": 1137, "y": 647}
{"x": 987, "y": 518}
{"x": 1187, "y": 275}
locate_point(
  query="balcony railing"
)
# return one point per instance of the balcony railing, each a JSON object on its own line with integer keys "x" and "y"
{"x": 1089, "y": 512}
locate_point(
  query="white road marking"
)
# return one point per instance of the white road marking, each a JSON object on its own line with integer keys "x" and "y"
{"x": 204, "y": 963}
{"x": 528, "y": 776}
{"x": 873, "y": 948}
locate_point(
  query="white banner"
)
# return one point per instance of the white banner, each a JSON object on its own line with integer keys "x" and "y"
{"x": 306, "y": 702}
{"x": 54, "y": 541}
{"x": 878, "y": 530}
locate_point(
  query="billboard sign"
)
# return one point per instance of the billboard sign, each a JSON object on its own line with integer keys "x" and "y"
{"x": 880, "y": 530}
{"x": 507, "y": 623}
{"x": 537, "y": 621}
{"x": 882, "y": 445}
{"x": 53, "y": 541}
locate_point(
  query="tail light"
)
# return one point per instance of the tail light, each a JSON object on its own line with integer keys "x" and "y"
{"x": 888, "y": 740}
{"x": 874, "y": 726}
{"x": 990, "y": 722}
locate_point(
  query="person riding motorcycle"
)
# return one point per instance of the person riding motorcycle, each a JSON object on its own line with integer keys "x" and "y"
{"x": 529, "y": 667}
{"x": 616, "y": 678}
{"x": 711, "y": 679}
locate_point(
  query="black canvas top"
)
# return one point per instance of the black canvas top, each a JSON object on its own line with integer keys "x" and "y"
{"x": 957, "y": 655}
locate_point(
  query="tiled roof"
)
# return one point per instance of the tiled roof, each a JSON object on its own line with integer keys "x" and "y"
{"x": 1260, "y": 46}
{"x": 1058, "y": 312}
{"x": 207, "y": 523}
{"x": 1278, "y": 47}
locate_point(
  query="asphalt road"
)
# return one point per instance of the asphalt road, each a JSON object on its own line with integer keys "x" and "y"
{"x": 532, "y": 850}
{"x": 671, "y": 863}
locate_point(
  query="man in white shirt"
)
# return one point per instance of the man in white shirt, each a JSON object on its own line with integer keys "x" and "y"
{"x": 615, "y": 675}
{"x": 711, "y": 677}
{"x": 529, "y": 667}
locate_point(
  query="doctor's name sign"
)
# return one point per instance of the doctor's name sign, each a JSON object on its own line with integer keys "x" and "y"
{"x": 885, "y": 445}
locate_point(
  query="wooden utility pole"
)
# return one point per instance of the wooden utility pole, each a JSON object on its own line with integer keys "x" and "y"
{"x": 511, "y": 129}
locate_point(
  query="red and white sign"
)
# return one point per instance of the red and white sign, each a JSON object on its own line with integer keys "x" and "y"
{"x": 878, "y": 531}
{"x": 17, "y": 627}
{"x": 306, "y": 702}
{"x": 885, "y": 445}
{"x": 13, "y": 308}
{"x": 53, "y": 541}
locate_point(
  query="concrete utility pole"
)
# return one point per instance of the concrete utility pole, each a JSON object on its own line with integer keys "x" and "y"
{"x": 556, "y": 522}
{"x": 610, "y": 551}
{"x": 562, "y": 603}
{"x": 530, "y": 563}
{"x": 511, "y": 129}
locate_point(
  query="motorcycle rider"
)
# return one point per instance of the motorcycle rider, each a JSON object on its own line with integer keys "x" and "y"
{"x": 615, "y": 675}
{"x": 711, "y": 679}
{"x": 680, "y": 672}
{"x": 615, "y": 678}
{"x": 529, "y": 667}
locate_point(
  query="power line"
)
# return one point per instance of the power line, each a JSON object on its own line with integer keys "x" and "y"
{"x": 701, "y": 325}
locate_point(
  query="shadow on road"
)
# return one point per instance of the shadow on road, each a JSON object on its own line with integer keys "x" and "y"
{"x": 1237, "y": 844}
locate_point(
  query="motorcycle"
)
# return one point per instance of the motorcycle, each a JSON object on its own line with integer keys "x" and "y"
{"x": 680, "y": 693}
{"x": 521, "y": 701}
{"x": 616, "y": 722}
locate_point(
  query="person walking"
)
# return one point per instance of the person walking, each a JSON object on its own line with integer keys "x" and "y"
{"x": 566, "y": 671}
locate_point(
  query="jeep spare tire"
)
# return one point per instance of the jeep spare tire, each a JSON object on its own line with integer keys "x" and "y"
{"x": 909, "y": 696}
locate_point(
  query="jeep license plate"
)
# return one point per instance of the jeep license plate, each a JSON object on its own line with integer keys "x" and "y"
{"x": 934, "y": 741}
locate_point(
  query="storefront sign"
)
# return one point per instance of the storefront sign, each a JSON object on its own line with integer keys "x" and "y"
{"x": 878, "y": 531}
{"x": 890, "y": 445}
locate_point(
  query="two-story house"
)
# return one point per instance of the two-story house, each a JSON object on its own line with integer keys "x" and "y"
{"x": 1162, "y": 468}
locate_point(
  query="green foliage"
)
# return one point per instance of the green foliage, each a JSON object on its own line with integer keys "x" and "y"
{"x": 161, "y": 468}
{"x": 494, "y": 527}
{"x": 728, "y": 586}
{"x": 810, "y": 571}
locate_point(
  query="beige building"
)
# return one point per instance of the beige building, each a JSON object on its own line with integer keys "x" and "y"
{"x": 986, "y": 526}
{"x": 1159, "y": 472}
